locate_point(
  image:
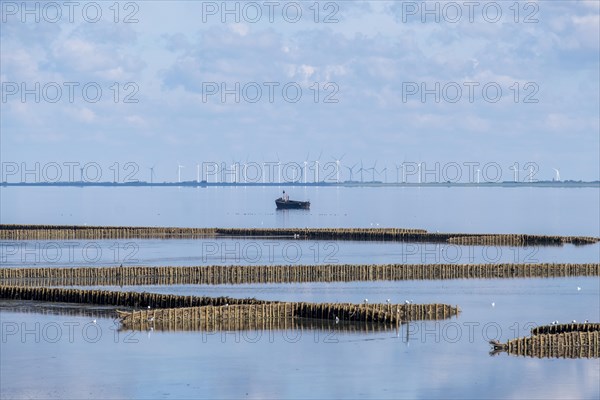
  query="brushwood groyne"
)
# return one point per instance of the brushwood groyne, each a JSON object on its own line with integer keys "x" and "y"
{"x": 556, "y": 341}
{"x": 340, "y": 312}
{"x": 116, "y": 298}
{"x": 219, "y": 274}
{"x": 168, "y": 307}
{"x": 64, "y": 232}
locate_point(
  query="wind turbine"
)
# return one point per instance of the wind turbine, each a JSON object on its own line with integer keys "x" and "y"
{"x": 515, "y": 168}
{"x": 337, "y": 166}
{"x": 384, "y": 171}
{"x": 351, "y": 171}
{"x": 317, "y": 167}
{"x": 557, "y": 177}
{"x": 234, "y": 167}
{"x": 238, "y": 172}
{"x": 398, "y": 168}
{"x": 278, "y": 169}
{"x": 530, "y": 174}
{"x": 373, "y": 170}
{"x": 245, "y": 170}
{"x": 403, "y": 168}
{"x": 305, "y": 164}
{"x": 361, "y": 171}
{"x": 152, "y": 174}
{"x": 179, "y": 166}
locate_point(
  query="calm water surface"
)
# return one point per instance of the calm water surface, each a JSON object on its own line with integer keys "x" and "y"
{"x": 63, "y": 356}
{"x": 556, "y": 211}
{"x": 82, "y": 253}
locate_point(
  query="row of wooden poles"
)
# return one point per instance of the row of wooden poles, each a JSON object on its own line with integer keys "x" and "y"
{"x": 519, "y": 240}
{"x": 64, "y": 232}
{"x": 61, "y": 232}
{"x": 557, "y": 341}
{"x": 565, "y": 328}
{"x": 169, "y": 308}
{"x": 407, "y": 235}
{"x": 116, "y": 298}
{"x": 277, "y": 315}
{"x": 220, "y": 274}
{"x": 300, "y": 324}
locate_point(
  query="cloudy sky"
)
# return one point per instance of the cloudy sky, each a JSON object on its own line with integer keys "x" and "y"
{"x": 160, "y": 83}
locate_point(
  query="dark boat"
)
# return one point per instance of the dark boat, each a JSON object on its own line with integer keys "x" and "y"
{"x": 291, "y": 204}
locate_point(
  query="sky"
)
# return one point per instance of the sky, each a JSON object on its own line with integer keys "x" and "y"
{"x": 125, "y": 86}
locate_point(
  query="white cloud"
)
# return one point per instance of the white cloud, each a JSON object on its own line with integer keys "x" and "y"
{"x": 136, "y": 120}
{"x": 587, "y": 30}
{"x": 571, "y": 125}
{"x": 116, "y": 73}
{"x": 80, "y": 53}
{"x": 369, "y": 54}
{"x": 86, "y": 115}
{"x": 591, "y": 4}
{"x": 240, "y": 29}
{"x": 307, "y": 71}
{"x": 20, "y": 64}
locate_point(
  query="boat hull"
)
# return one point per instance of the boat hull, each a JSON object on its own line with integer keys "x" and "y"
{"x": 292, "y": 204}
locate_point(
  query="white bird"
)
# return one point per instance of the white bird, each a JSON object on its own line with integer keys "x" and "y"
{"x": 94, "y": 321}
{"x": 148, "y": 307}
{"x": 406, "y": 302}
{"x": 388, "y": 301}
{"x": 366, "y": 301}
{"x": 337, "y": 320}
{"x": 573, "y": 322}
{"x": 578, "y": 288}
{"x": 493, "y": 304}
{"x": 586, "y": 322}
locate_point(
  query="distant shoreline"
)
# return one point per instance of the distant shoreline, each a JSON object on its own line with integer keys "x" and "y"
{"x": 545, "y": 184}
